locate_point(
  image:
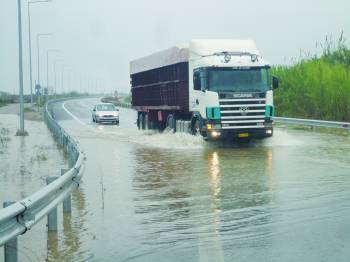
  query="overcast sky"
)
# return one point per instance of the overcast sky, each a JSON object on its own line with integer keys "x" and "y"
{"x": 98, "y": 38}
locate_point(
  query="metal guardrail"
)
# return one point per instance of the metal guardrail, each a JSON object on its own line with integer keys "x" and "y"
{"x": 311, "y": 122}
{"x": 282, "y": 120}
{"x": 122, "y": 104}
{"x": 116, "y": 103}
{"x": 21, "y": 216}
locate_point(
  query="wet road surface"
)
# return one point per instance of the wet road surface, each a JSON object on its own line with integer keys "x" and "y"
{"x": 173, "y": 197}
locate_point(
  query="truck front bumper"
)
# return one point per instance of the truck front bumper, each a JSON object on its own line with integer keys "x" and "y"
{"x": 236, "y": 134}
{"x": 215, "y": 133}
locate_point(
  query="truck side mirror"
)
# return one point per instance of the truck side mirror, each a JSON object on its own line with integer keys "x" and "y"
{"x": 94, "y": 109}
{"x": 275, "y": 82}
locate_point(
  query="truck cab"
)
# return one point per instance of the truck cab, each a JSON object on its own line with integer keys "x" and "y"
{"x": 231, "y": 95}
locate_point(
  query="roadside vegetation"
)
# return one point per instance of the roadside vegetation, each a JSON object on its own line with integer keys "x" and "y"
{"x": 4, "y": 138}
{"x": 6, "y": 99}
{"x": 316, "y": 86}
{"x": 127, "y": 99}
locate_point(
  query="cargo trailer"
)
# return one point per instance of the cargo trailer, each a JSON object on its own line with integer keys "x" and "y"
{"x": 220, "y": 89}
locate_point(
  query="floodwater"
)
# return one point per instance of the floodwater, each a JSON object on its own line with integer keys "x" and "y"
{"x": 173, "y": 197}
{"x": 25, "y": 162}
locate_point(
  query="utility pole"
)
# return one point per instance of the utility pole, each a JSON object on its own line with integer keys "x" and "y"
{"x": 47, "y": 67}
{"x": 38, "y": 52}
{"x": 30, "y": 47}
{"x": 55, "y": 72}
{"x": 21, "y": 131}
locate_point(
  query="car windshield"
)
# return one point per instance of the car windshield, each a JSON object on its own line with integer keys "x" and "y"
{"x": 105, "y": 108}
{"x": 239, "y": 80}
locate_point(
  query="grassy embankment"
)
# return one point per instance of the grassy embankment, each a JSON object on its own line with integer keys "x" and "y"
{"x": 316, "y": 87}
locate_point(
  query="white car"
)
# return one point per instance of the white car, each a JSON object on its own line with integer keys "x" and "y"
{"x": 105, "y": 112}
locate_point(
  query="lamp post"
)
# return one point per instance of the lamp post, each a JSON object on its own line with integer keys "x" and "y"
{"x": 55, "y": 72}
{"x": 38, "y": 36}
{"x": 21, "y": 131}
{"x": 62, "y": 80}
{"x": 30, "y": 46}
{"x": 47, "y": 66}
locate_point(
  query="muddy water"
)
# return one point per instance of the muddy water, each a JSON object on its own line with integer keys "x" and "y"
{"x": 163, "y": 197}
{"x": 25, "y": 162}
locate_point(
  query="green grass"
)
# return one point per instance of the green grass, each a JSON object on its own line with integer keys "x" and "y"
{"x": 316, "y": 87}
{"x": 127, "y": 99}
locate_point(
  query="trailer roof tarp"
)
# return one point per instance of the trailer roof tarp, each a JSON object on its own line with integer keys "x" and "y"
{"x": 173, "y": 55}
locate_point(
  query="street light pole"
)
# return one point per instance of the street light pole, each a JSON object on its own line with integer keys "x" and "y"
{"x": 47, "y": 66}
{"x": 30, "y": 47}
{"x": 63, "y": 83}
{"x": 38, "y": 52}
{"x": 21, "y": 131}
{"x": 55, "y": 72}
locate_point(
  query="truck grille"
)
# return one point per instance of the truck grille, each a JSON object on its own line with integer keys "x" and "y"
{"x": 242, "y": 113}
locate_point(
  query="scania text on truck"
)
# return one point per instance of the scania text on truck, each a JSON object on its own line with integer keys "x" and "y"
{"x": 221, "y": 88}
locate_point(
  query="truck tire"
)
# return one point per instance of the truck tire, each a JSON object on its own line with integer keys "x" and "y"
{"x": 138, "y": 120}
{"x": 196, "y": 129}
{"x": 143, "y": 121}
{"x": 170, "y": 123}
{"x": 147, "y": 122}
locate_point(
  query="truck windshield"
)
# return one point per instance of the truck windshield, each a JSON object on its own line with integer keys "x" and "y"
{"x": 239, "y": 80}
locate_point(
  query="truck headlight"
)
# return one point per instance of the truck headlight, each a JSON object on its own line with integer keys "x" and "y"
{"x": 215, "y": 134}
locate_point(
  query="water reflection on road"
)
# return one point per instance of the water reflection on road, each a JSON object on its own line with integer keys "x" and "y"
{"x": 198, "y": 199}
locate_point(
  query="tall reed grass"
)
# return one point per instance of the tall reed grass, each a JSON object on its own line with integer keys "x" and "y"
{"x": 316, "y": 86}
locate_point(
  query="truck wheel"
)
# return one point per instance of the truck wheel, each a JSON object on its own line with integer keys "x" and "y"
{"x": 138, "y": 121}
{"x": 143, "y": 121}
{"x": 147, "y": 122}
{"x": 196, "y": 131}
{"x": 170, "y": 122}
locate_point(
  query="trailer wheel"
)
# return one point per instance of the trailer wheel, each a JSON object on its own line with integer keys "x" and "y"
{"x": 196, "y": 131}
{"x": 143, "y": 121}
{"x": 138, "y": 121}
{"x": 170, "y": 122}
{"x": 147, "y": 122}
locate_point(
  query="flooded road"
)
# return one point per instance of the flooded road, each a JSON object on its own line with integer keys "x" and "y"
{"x": 173, "y": 197}
{"x": 25, "y": 162}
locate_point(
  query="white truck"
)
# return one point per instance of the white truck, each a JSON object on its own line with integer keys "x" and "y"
{"x": 221, "y": 88}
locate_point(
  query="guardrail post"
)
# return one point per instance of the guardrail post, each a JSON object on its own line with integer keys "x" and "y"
{"x": 52, "y": 216}
{"x": 67, "y": 203}
{"x": 10, "y": 248}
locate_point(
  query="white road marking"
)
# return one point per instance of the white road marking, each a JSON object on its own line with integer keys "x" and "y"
{"x": 71, "y": 114}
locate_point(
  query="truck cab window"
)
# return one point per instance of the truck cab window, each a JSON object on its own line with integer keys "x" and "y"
{"x": 196, "y": 81}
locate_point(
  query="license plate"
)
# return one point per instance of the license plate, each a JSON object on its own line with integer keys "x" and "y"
{"x": 243, "y": 135}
